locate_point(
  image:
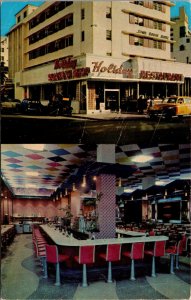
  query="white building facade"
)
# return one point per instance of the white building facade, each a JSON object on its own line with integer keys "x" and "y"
{"x": 100, "y": 54}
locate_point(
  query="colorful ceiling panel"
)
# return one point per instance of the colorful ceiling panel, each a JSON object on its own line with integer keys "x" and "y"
{"x": 38, "y": 170}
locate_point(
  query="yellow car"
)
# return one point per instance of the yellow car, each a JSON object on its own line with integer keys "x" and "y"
{"x": 10, "y": 105}
{"x": 171, "y": 107}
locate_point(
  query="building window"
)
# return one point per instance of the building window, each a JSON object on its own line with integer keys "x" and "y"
{"x": 25, "y": 14}
{"x": 52, "y": 10}
{"x": 139, "y": 2}
{"x": 108, "y": 35}
{"x": 187, "y": 59}
{"x": 2, "y": 58}
{"x": 182, "y": 31}
{"x": 108, "y": 53}
{"x": 52, "y": 47}
{"x": 82, "y": 36}
{"x": 182, "y": 48}
{"x": 18, "y": 19}
{"x": 54, "y": 27}
{"x": 108, "y": 12}
{"x": 187, "y": 40}
{"x": 2, "y": 49}
{"x": 157, "y": 6}
{"x": 82, "y": 14}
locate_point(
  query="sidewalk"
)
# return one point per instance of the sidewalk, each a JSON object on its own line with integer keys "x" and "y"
{"x": 112, "y": 116}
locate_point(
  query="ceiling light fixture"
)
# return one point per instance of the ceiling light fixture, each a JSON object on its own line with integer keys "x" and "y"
{"x": 84, "y": 181}
{"x": 142, "y": 158}
{"x": 35, "y": 147}
{"x": 73, "y": 187}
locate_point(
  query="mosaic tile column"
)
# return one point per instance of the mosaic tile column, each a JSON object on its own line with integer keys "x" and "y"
{"x": 75, "y": 204}
{"x": 106, "y": 206}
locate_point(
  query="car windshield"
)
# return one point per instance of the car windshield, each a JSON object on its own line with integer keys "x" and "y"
{"x": 172, "y": 100}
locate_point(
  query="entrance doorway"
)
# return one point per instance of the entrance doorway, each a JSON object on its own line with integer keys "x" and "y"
{"x": 112, "y": 97}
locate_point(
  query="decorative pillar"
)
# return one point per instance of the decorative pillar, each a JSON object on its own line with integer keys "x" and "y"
{"x": 75, "y": 204}
{"x": 105, "y": 186}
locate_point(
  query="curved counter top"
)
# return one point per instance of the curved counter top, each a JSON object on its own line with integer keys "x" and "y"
{"x": 6, "y": 228}
{"x": 62, "y": 240}
{"x": 130, "y": 233}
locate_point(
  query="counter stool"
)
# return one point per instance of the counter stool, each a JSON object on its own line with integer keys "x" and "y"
{"x": 52, "y": 256}
{"x": 137, "y": 252}
{"x": 113, "y": 253}
{"x": 175, "y": 251}
{"x": 41, "y": 255}
{"x": 86, "y": 256}
{"x": 159, "y": 250}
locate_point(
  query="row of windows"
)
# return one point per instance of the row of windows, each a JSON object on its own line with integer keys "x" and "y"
{"x": 133, "y": 19}
{"x": 146, "y": 42}
{"x": 52, "y": 47}
{"x": 52, "y": 10}
{"x": 157, "y": 5}
{"x": 54, "y": 27}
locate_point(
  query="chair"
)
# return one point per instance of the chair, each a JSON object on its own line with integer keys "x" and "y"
{"x": 86, "y": 256}
{"x": 175, "y": 251}
{"x": 137, "y": 252}
{"x": 52, "y": 256}
{"x": 113, "y": 253}
{"x": 159, "y": 250}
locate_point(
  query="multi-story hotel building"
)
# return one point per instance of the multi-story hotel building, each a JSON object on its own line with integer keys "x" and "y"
{"x": 100, "y": 54}
{"x": 180, "y": 32}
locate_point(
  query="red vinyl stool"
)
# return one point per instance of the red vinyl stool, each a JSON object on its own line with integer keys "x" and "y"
{"x": 159, "y": 250}
{"x": 175, "y": 251}
{"x": 52, "y": 256}
{"x": 137, "y": 252}
{"x": 86, "y": 256}
{"x": 113, "y": 253}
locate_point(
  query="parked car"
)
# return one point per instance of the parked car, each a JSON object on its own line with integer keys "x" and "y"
{"x": 32, "y": 106}
{"x": 171, "y": 107}
{"x": 9, "y": 105}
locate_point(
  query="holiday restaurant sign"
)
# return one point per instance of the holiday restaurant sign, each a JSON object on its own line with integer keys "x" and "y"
{"x": 69, "y": 69}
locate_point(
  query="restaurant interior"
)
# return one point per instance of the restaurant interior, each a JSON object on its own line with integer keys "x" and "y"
{"x": 78, "y": 195}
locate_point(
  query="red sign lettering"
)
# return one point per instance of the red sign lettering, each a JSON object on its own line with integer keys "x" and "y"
{"x": 160, "y": 76}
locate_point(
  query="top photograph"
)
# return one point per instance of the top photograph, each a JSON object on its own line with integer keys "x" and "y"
{"x": 113, "y": 72}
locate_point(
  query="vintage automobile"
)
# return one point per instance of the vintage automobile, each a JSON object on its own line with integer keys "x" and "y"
{"x": 9, "y": 105}
{"x": 174, "y": 106}
{"x": 32, "y": 106}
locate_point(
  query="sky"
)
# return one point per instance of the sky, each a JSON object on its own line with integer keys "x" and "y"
{"x": 10, "y": 8}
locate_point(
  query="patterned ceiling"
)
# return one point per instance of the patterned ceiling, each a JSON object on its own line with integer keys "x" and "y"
{"x": 38, "y": 172}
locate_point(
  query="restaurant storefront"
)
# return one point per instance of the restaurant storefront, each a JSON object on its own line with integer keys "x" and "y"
{"x": 95, "y": 84}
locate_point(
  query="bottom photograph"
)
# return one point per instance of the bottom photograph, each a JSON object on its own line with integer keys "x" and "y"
{"x": 103, "y": 221}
